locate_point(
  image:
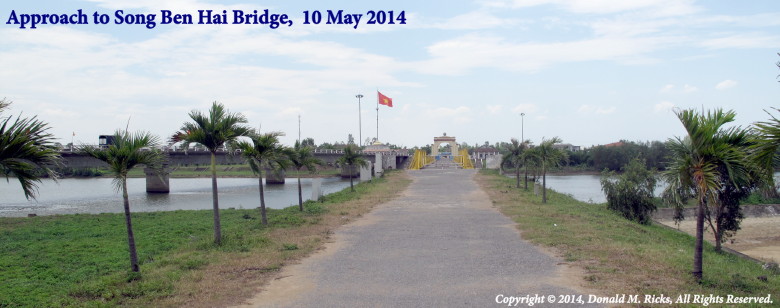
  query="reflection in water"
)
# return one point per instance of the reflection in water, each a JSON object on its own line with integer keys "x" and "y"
{"x": 98, "y": 195}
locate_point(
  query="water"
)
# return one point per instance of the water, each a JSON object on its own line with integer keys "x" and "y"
{"x": 585, "y": 187}
{"x": 98, "y": 195}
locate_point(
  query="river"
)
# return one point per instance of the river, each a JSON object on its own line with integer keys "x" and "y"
{"x": 98, "y": 195}
{"x": 585, "y": 187}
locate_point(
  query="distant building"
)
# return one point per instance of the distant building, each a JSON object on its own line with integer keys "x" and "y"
{"x": 614, "y": 144}
{"x": 377, "y": 147}
{"x": 484, "y": 152}
{"x": 567, "y": 146}
{"x": 105, "y": 141}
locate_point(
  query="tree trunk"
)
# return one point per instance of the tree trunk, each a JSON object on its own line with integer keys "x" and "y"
{"x": 718, "y": 230}
{"x": 526, "y": 175}
{"x": 718, "y": 239}
{"x": 697, "y": 252}
{"x": 544, "y": 183}
{"x": 300, "y": 195}
{"x": 264, "y": 217}
{"x": 517, "y": 176}
{"x": 215, "y": 200}
{"x": 351, "y": 173}
{"x": 129, "y": 224}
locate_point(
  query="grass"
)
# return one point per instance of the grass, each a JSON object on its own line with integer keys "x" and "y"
{"x": 82, "y": 260}
{"x": 619, "y": 256}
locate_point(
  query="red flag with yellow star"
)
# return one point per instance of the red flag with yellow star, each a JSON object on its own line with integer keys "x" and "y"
{"x": 384, "y": 100}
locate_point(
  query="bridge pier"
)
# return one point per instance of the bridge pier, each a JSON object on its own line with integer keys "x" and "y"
{"x": 350, "y": 171}
{"x": 274, "y": 176}
{"x": 158, "y": 180}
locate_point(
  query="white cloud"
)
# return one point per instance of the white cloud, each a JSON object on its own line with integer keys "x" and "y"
{"x": 726, "y": 84}
{"x": 475, "y": 20}
{"x": 660, "y": 7}
{"x": 663, "y": 106}
{"x": 667, "y": 88}
{"x": 589, "y": 109}
{"x": 458, "y": 55}
{"x": 689, "y": 88}
{"x": 494, "y": 109}
{"x": 290, "y": 111}
{"x": 741, "y": 40}
{"x": 526, "y": 108}
{"x": 448, "y": 112}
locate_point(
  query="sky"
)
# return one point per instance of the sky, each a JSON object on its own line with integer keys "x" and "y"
{"x": 588, "y": 71}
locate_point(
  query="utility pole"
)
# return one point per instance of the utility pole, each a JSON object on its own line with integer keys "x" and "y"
{"x": 299, "y": 128}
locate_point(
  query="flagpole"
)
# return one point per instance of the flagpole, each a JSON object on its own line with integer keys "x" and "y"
{"x": 377, "y": 115}
{"x": 360, "y": 122}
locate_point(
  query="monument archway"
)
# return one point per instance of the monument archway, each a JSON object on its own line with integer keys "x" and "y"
{"x": 437, "y": 142}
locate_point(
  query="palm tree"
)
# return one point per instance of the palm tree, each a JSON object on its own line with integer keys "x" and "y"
{"x": 766, "y": 144}
{"x": 213, "y": 130}
{"x": 27, "y": 151}
{"x": 516, "y": 158}
{"x": 128, "y": 151}
{"x": 264, "y": 151}
{"x": 300, "y": 157}
{"x": 531, "y": 159}
{"x": 702, "y": 164}
{"x": 351, "y": 158}
{"x": 549, "y": 156}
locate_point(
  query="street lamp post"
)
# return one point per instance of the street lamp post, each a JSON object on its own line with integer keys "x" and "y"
{"x": 360, "y": 121}
{"x": 522, "y": 139}
{"x": 522, "y": 127}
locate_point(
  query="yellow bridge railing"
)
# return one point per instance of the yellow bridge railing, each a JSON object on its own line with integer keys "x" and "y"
{"x": 420, "y": 159}
{"x": 463, "y": 159}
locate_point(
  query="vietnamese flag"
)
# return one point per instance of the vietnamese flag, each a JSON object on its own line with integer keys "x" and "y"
{"x": 384, "y": 100}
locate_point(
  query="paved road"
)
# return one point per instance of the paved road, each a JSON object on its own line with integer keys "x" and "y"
{"x": 441, "y": 244}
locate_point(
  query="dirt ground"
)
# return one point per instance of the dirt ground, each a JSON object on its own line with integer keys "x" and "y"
{"x": 758, "y": 238}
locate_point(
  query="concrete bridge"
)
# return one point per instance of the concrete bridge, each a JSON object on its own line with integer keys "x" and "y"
{"x": 180, "y": 158}
{"x": 158, "y": 182}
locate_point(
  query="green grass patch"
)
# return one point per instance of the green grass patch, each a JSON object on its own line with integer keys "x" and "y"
{"x": 622, "y": 256}
{"x": 82, "y": 260}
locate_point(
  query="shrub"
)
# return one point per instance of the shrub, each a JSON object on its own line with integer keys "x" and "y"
{"x": 631, "y": 193}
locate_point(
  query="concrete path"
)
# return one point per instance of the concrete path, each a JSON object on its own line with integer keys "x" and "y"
{"x": 440, "y": 244}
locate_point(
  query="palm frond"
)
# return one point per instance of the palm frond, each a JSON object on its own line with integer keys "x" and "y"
{"x": 352, "y": 158}
{"x": 212, "y": 130}
{"x": 27, "y": 151}
{"x": 303, "y": 157}
{"x": 264, "y": 151}
{"x": 128, "y": 151}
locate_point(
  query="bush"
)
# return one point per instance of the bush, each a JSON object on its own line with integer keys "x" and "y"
{"x": 631, "y": 193}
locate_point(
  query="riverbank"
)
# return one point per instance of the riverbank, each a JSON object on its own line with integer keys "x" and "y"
{"x": 619, "y": 256}
{"x": 81, "y": 260}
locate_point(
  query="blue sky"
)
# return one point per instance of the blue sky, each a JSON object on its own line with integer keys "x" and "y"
{"x": 589, "y": 71}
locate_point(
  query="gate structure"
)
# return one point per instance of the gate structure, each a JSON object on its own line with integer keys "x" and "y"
{"x": 455, "y": 159}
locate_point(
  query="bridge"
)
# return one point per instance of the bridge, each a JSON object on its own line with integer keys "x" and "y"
{"x": 181, "y": 158}
{"x": 157, "y": 182}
